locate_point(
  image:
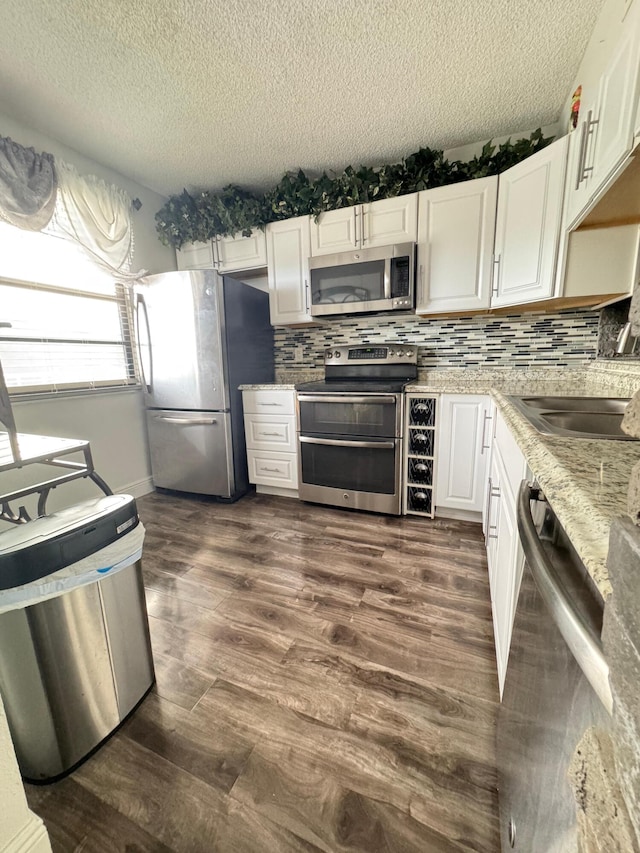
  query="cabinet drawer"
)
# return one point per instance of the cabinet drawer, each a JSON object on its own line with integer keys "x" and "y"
{"x": 269, "y": 402}
{"x": 273, "y": 469}
{"x": 270, "y": 432}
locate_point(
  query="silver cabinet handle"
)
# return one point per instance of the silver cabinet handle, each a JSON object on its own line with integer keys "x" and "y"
{"x": 356, "y": 235}
{"x": 271, "y": 470}
{"x": 494, "y": 492}
{"x": 270, "y": 404}
{"x": 496, "y": 275}
{"x": 269, "y": 434}
{"x": 306, "y": 295}
{"x": 188, "y": 421}
{"x": 363, "y": 238}
{"x": 585, "y": 645}
{"x": 335, "y": 442}
{"x": 374, "y": 399}
{"x": 215, "y": 250}
{"x": 587, "y": 129}
{"x": 483, "y": 446}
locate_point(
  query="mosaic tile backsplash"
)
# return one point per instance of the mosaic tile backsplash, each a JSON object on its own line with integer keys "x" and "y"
{"x": 568, "y": 338}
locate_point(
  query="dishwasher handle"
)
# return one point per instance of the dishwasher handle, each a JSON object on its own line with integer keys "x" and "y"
{"x": 578, "y": 635}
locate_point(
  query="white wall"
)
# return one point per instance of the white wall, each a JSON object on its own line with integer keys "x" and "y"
{"x": 605, "y": 34}
{"x": 149, "y": 253}
{"x": 112, "y": 422}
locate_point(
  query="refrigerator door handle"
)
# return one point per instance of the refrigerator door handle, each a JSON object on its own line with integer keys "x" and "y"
{"x": 141, "y": 305}
{"x": 189, "y": 421}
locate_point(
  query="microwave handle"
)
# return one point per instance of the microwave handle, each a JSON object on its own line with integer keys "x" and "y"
{"x": 387, "y": 278}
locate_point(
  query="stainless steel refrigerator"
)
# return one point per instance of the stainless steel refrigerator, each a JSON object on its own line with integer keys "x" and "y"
{"x": 200, "y": 335}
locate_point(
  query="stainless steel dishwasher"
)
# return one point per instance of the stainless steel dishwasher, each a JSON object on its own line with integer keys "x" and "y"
{"x": 556, "y": 686}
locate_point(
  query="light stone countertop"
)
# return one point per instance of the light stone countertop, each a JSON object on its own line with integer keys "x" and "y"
{"x": 274, "y": 386}
{"x": 585, "y": 480}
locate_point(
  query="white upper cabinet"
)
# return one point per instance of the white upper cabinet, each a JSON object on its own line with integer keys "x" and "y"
{"x": 240, "y": 253}
{"x": 379, "y": 223}
{"x": 605, "y": 135}
{"x": 288, "y": 249}
{"x": 195, "y": 256}
{"x": 617, "y": 100}
{"x": 389, "y": 221}
{"x": 336, "y": 231}
{"x": 464, "y": 431}
{"x": 528, "y": 226}
{"x": 456, "y": 227}
{"x": 225, "y": 254}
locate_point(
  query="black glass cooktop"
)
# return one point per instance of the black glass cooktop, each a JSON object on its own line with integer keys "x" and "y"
{"x": 361, "y": 386}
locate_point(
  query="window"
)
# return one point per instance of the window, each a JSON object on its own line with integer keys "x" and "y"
{"x": 64, "y": 321}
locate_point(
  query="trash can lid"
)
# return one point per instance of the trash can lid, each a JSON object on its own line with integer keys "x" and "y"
{"x": 63, "y": 521}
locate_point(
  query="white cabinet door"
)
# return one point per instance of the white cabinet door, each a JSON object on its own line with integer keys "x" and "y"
{"x": 288, "y": 249}
{"x": 456, "y": 228}
{"x": 508, "y": 567}
{"x": 609, "y": 121}
{"x": 581, "y": 146}
{"x": 528, "y": 227}
{"x": 617, "y": 100}
{"x": 505, "y": 557}
{"x": 336, "y": 231}
{"x": 241, "y": 253}
{"x": 389, "y": 221}
{"x": 379, "y": 223}
{"x": 463, "y": 444}
{"x": 195, "y": 256}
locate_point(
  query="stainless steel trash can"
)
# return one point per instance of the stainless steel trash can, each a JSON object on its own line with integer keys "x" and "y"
{"x": 72, "y": 667}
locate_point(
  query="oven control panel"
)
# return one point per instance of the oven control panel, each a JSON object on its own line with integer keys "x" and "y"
{"x": 393, "y": 353}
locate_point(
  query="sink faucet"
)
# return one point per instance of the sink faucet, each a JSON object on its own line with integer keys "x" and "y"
{"x": 625, "y": 342}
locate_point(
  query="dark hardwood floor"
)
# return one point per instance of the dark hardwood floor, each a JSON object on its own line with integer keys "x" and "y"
{"x": 325, "y": 681}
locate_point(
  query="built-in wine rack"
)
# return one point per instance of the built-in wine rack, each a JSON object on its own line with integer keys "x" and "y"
{"x": 420, "y": 440}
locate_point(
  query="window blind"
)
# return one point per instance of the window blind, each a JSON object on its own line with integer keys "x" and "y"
{"x": 64, "y": 321}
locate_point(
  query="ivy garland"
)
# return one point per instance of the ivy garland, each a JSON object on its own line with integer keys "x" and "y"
{"x": 187, "y": 218}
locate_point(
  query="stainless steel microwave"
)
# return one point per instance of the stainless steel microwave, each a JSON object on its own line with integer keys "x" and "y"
{"x": 364, "y": 280}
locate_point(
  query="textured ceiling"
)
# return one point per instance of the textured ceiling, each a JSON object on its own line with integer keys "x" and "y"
{"x": 200, "y": 93}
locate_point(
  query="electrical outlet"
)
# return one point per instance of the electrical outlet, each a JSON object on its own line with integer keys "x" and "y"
{"x": 298, "y": 353}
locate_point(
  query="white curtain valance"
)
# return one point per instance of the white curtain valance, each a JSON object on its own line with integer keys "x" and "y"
{"x": 27, "y": 186}
{"x": 96, "y": 215}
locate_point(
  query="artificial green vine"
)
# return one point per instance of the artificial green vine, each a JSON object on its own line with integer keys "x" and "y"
{"x": 187, "y": 218}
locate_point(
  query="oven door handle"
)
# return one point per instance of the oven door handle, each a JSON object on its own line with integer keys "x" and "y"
{"x": 585, "y": 646}
{"x": 382, "y": 399}
{"x": 337, "y": 442}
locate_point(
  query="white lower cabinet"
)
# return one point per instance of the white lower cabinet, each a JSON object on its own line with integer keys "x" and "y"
{"x": 505, "y": 557}
{"x": 272, "y": 447}
{"x": 463, "y": 450}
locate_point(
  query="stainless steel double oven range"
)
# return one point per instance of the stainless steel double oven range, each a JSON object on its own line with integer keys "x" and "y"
{"x": 350, "y": 428}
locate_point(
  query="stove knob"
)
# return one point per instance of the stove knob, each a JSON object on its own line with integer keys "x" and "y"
{"x": 399, "y": 353}
{"x": 337, "y": 353}
{"x": 329, "y": 355}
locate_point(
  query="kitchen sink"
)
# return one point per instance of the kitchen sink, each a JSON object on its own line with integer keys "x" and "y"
{"x": 575, "y": 417}
{"x": 578, "y": 404}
